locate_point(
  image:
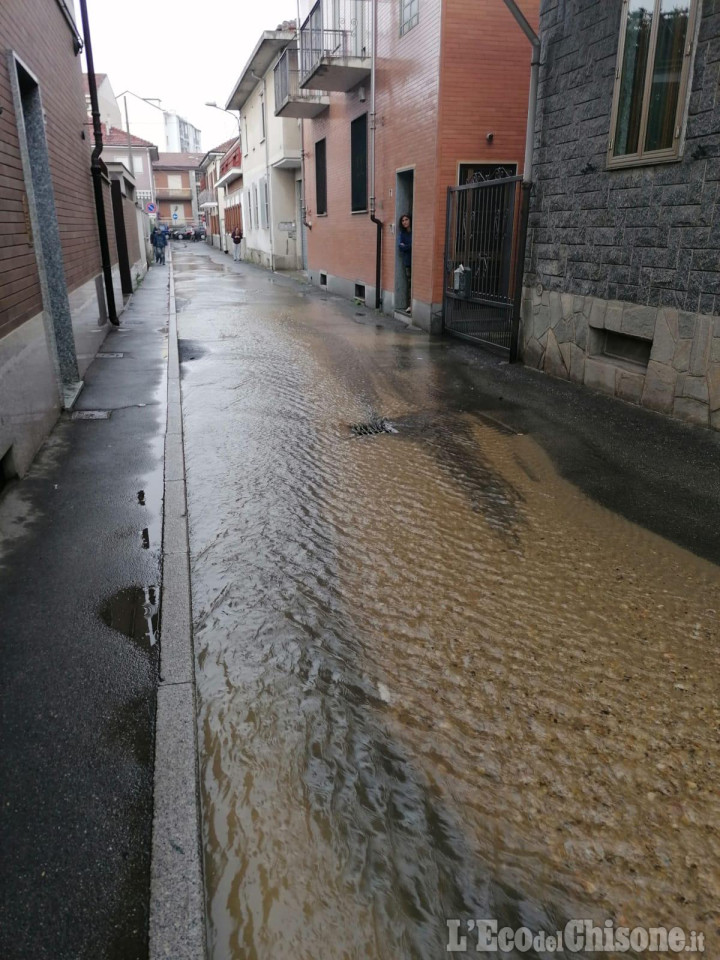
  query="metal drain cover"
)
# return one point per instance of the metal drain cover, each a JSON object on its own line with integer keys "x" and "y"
{"x": 109, "y": 356}
{"x": 372, "y": 428}
{"x": 90, "y": 415}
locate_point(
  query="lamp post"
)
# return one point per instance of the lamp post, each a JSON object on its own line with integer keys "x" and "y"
{"x": 211, "y": 103}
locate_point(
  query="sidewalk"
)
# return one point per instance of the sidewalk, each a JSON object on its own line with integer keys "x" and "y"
{"x": 80, "y": 550}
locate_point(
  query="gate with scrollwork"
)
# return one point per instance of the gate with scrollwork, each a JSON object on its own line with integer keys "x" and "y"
{"x": 481, "y": 255}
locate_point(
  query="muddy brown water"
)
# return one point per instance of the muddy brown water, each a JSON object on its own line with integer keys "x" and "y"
{"x": 435, "y": 680}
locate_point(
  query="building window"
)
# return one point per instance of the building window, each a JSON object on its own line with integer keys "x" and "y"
{"x": 174, "y": 181}
{"x": 256, "y": 218}
{"x": 321, "y": 176}
{"x": 358, "y": 164}
{"x": 262, "y": 116}
{"x": 409, "y": 15}
{"x": 265, "y": 203}
{"x": 651, "y": 80}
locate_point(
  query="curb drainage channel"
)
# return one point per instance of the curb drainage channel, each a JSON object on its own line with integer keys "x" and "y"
{"x": 177, "y": 897}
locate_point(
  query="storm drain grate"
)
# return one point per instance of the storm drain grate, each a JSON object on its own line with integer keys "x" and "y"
{"x": 372, "y": 428}
{"x": 90, "y": 415}
{"x": 109, "y": 356}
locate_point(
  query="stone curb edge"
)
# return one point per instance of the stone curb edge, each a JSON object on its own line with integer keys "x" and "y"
{"x": 177, "y": 900}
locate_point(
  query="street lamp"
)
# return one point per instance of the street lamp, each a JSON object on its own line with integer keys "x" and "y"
{"x": 212, "y": 103}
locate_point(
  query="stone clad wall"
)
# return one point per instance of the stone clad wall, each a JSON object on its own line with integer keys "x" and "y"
{"x": 565, "y": 333}
{"x": 634, "y": 251}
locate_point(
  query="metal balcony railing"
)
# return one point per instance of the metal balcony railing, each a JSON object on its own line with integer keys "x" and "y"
{"x": 288, "y": 89}
{"x": 173, "y": 193}
{"x": 335, "y": 29}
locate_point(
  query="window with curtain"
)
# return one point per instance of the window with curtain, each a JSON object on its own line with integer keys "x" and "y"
{"x": 358, "y": 164}
{"x": 320, "y": 177}
{"x": 652, "y": 80}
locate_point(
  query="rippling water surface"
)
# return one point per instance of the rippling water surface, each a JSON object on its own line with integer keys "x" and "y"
{"x": 435, "y": 681}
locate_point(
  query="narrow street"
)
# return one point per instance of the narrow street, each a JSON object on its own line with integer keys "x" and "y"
{"x": 457, "y": 670}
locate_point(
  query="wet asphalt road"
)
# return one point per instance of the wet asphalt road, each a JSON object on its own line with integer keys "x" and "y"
{"x": 455, "y": 671}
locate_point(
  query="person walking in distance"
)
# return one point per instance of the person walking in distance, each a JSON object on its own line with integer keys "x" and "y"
{"x": 405, "y": 248}
{"x": 153, "y": 240}
{"x": 236, "y": 237}
{"x": 160, "y": 244}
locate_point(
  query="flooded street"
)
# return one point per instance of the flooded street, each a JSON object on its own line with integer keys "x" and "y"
{"x": 435, "y": 679}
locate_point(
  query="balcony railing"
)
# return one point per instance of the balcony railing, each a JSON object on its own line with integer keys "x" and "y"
{"x": 173, "y": 193}
{"x": 335, "y": 43}
{"x": 291, "y": 100}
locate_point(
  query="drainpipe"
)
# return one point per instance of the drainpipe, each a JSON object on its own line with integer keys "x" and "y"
{"x": 303, "y": 211}
{"x": 373, "y": 125}
{"x": 527, "y": 171}
{"x": 96, "y": 170}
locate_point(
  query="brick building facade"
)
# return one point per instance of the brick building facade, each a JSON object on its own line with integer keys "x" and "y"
{"x": 53, "y": 314}
{"x": 175, "y": 188}
{"x": 452, "y": 73}
{"x": 622, "y": 287}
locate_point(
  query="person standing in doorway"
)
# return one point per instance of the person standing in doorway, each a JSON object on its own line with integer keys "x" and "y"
{"x": 405, "y": 248}
{"x": 236, "y": 237}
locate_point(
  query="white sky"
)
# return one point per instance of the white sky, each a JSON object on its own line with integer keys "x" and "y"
{"x": 183, "y": 52}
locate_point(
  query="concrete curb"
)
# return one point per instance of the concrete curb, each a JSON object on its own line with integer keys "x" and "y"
{"x": 177, "y": 901}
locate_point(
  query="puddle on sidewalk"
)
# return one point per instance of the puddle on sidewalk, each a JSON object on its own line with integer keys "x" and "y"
{"x": 134, "y": 613}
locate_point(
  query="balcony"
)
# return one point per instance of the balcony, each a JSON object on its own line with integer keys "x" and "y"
{"x": 290, "y": 98}
{"x": 335, "y": 45}
{"x": 173, "y": 193}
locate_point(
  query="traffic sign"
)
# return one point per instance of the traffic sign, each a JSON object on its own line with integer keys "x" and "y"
{"x": 175, "y": 216}
{"x": 151, "y": 208}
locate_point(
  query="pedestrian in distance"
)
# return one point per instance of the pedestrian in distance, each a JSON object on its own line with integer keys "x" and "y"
{"x": 154, "y": 234}
{"x": 405, "y": 248}
{"x": 160, "y": 244}
{"x": 236, "y": 237}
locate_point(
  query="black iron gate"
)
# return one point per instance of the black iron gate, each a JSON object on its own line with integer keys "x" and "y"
{"x": 482, "y": 260}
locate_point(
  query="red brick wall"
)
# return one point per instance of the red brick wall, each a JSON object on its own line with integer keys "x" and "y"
{"x": 38, "y": 33}
{"x": 462, "y": 72}
{"x": 343, "y": 243}
{"x": 485, "y": 68}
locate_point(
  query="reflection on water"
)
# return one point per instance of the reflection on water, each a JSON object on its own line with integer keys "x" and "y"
{"x": 434, "y": 680}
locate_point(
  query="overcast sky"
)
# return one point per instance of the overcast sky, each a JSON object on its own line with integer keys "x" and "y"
{"x": 157, "y": 48}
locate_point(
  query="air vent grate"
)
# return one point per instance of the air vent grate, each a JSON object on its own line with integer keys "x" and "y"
{"x": 372, "y": 428}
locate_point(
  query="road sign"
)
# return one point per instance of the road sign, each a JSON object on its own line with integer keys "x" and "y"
{"x": 151, "y": 208}
{"x": 175, "y": 216}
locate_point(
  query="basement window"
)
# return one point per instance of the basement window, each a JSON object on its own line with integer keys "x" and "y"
{"x": 323, "y": 279}
{"x": 359, "y": 291}
{"x": 619, "y": 346}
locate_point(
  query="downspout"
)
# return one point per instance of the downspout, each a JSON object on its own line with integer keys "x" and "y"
{"x": 373, "y": 125}
{"x": 96, "y": 170}
{"x": 527, "y": 172}
{"x": 303, "y": 211}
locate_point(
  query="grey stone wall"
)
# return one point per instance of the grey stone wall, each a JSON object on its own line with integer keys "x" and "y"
{"x": 647, "y": 237}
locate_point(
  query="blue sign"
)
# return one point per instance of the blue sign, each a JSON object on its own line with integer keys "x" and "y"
{"x": 175, "y": 216}
{"x": 151, "y": 208}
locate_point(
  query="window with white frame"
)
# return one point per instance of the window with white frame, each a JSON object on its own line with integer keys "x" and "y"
{"x": 174, "y": 181}
{"x": 265, "y": 203}
{"x": 651, "y": 80}
{"x": 256, "y": 218}
{"x": 262, "y": 117}
{"x": 409, "y": 15}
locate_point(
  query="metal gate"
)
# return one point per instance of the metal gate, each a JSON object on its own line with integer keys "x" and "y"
{"x": 482, "y": 257}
